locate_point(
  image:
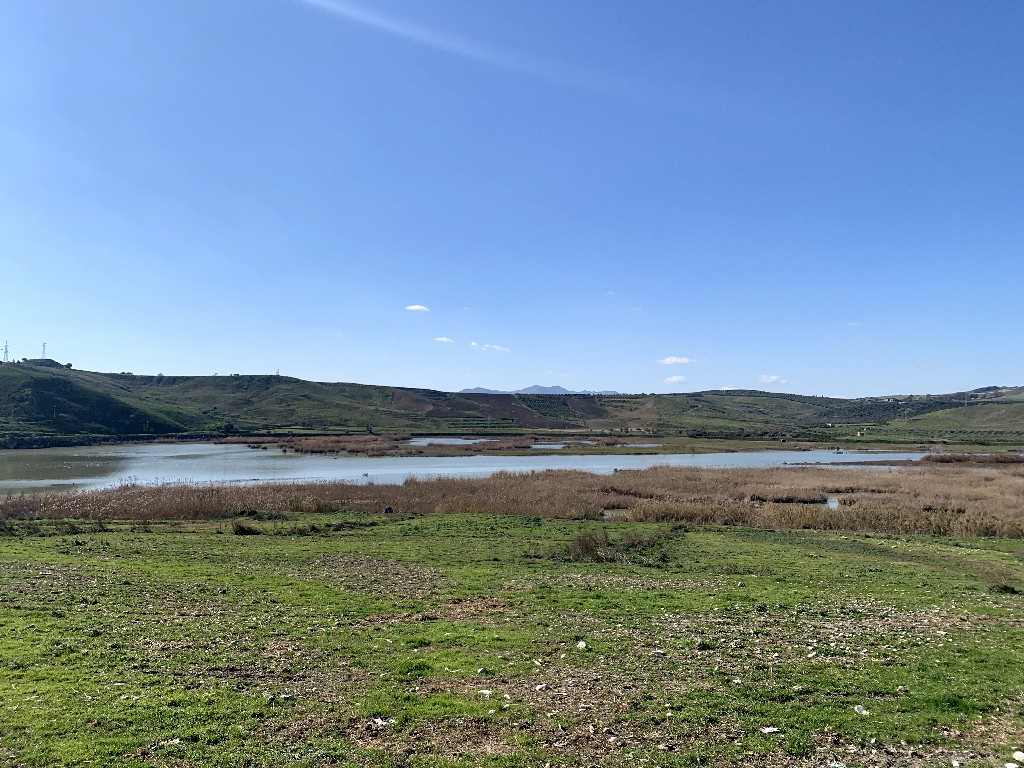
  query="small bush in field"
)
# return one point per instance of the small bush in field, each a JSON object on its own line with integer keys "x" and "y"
{"x": 241, "y": 528}
{"x": 631, "y": 547}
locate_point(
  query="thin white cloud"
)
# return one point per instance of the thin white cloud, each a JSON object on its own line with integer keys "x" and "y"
{"x": 444, "y": 340}
{"x": 488, "y": 347}
{"x": 673, "y": 360}
{"x": 417, "y": 308}
{"x": 675, "y": 379}
{"x": 470, "y": 49}
{"x": 771, "y": 378}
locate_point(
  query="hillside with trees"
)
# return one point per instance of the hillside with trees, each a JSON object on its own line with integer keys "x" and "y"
{"x": 43, "y": 402}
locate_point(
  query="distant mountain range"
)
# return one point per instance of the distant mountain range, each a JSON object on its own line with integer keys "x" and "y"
{"x": 536, "y": 389}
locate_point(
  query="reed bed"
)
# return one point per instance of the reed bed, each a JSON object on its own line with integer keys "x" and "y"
{"x": 398, "y": 444}
{"x": 942, "y": 499}
{"x": 974, "y": 458}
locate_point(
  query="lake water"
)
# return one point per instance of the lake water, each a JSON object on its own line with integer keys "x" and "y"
{"x": 59, "y": 469}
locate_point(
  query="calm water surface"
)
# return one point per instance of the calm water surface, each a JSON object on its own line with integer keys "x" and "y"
{"x": 60, "y": 469}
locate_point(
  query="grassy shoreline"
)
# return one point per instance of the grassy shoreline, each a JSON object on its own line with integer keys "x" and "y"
{"x": 504, "y": 622}
{"x": 475, "y": 640}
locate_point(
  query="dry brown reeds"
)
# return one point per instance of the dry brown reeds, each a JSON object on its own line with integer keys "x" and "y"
{"x": 394, "y": 445}
{"x": 945, "y": 499}
{"x": 974, "y": 458}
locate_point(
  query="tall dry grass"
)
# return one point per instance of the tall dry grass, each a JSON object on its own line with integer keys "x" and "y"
{"x": 392, "y": 445}
{"x": 398, "y": 444}
{"x": 945, "y": 499}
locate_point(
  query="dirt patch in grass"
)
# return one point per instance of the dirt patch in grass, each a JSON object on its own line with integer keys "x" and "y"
{"x": 393, "y": 579}
{"x": 454, "y": 739}
{"x": 34, "y": 578}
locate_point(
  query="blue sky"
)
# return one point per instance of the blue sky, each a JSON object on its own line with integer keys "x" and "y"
{"x": 638, "y": 195}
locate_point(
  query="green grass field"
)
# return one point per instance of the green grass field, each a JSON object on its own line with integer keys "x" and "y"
{"x": 458, "y": 640}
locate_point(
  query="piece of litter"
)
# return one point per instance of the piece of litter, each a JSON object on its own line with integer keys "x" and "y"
{"x": 581, "y": 645}
{"x": 1018, "y": 756}
{"x": 860, "y": 710}
{"x": 737, "y": 681}
{"x": 541, "y": 687}
{"x": 770, "y": 729}
{"x": 485, "y": 693}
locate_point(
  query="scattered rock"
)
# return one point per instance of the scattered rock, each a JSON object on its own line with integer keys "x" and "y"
{"x": 380, "y": 723}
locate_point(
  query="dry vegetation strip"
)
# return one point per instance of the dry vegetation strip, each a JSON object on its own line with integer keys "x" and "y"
{"x": 942, "y": 499}
{"x": 376, "y": 446}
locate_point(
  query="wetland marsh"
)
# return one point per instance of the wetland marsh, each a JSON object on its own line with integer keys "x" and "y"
{"x": 93, "y": 467}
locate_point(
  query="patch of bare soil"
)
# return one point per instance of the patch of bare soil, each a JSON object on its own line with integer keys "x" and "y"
{"x": 390, "y": 579}
{"x": 452, "y": 739}
{"x": 35, "y": 578}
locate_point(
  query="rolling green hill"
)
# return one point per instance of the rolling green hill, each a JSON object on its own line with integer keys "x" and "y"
{"x": 43, "y": 402}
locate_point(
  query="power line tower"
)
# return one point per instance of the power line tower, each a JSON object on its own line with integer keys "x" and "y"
{"x": 7, "y": 353}
{"x": 44, "y": 350}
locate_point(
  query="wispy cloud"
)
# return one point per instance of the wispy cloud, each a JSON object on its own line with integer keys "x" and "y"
{"x": 417, "y": 308}
{"x": 772, "y": 378}
{"x": 673, "y": 360}
{"x": 470, "y": 49}
{"x": 675, "y": 379}
{"x": 445, "y": 340}
{"x": 489, "y": 347}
